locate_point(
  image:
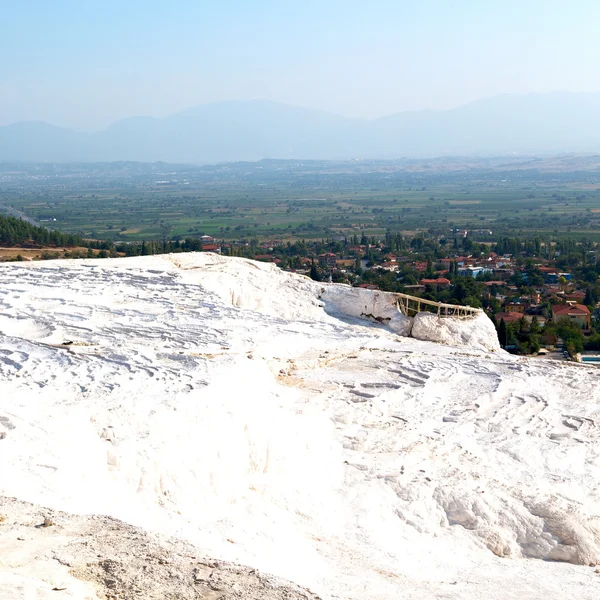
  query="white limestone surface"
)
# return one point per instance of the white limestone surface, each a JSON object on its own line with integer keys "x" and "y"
{"x": 217, "y": 401}
{"x": 477, "y": 333}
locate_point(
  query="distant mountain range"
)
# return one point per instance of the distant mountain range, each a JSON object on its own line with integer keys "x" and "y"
{"x": 230, "y": 131}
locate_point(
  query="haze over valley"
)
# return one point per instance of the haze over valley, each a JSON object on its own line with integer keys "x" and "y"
{"x": 560, "y": 122}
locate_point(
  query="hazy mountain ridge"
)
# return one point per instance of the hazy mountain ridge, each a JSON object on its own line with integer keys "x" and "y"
{"x": 232, "y": 131}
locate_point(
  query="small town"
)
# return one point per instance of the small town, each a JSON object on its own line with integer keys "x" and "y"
{"x": 541, "y": 296}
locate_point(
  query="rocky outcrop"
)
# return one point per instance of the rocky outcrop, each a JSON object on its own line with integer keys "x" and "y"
{"x": 478, "y": 333}
{"x": 98, "y": 558}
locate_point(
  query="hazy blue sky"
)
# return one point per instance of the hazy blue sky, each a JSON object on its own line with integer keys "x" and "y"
{"x": 85, "y": 63}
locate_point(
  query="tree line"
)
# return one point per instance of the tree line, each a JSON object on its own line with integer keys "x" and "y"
{"x": 16, "y": 232}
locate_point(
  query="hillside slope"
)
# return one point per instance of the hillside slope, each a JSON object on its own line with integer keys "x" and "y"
{"x": 228, "y": 404}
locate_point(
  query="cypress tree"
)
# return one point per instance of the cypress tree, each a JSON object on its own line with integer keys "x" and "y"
{"x": 314, "y": 273}
{"x": 502, "y": 333}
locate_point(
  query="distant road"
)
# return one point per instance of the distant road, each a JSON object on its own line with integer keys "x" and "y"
{"x": 13, "y": 212}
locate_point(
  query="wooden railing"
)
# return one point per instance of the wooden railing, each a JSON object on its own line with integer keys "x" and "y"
{"x": 412, "y": 304}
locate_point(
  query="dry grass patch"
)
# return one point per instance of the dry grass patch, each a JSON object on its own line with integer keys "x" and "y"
{"x": 36, "y": 253}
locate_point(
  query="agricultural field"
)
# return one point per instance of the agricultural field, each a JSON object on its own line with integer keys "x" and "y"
{"x": 289, "y": 200}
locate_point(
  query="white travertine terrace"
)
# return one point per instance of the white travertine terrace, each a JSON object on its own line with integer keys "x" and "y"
{"x": 263, "y": 418}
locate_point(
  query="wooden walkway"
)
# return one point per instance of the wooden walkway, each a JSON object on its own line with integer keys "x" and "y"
{"x": 411, "y": 305}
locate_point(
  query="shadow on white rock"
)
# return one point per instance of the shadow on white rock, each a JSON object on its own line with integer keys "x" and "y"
{"x": 358, "y": 302}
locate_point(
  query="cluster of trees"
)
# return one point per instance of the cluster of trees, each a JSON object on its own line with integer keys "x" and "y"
{"x": 16, "y": 232}
{"x": 522, "y": 337}
{"x": 525, "y": 338}
{"x": 572, "y": 337}
{"x": 165, "y": 246}
{"x": 516, "y": 246}
{"x": 21, "y": 234}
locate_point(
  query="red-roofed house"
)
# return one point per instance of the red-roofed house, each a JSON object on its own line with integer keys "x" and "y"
{"x": 509, "y": 317}
{"x": 328, "y": 260}
{"x": 497, "y": 282}
{"x": 576, "y": 313}
{"x": 440, "y": 283}
{"x": 577, "y": 296}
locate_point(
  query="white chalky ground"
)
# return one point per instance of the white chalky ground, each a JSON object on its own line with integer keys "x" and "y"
{"x": 216, "y": 400}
